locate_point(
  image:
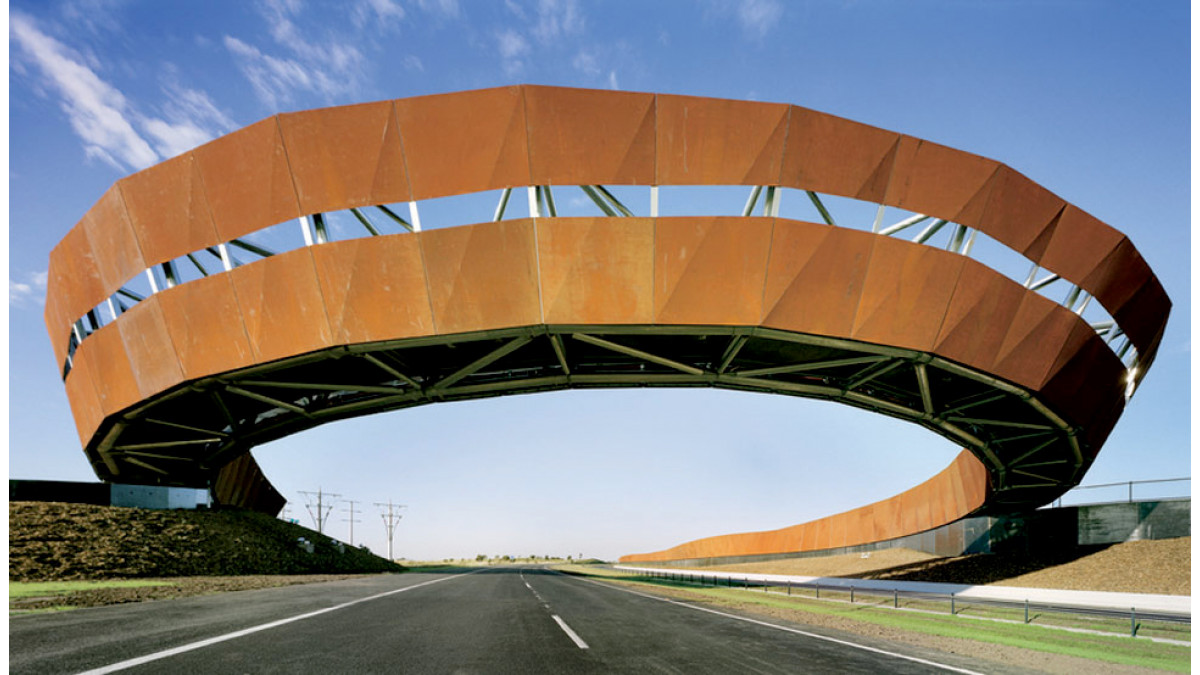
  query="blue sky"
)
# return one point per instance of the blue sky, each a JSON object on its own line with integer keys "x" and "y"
{"x": 1090, "y": 99}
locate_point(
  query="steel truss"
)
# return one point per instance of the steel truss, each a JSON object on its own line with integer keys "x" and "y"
{"x": 1031, "y": 454}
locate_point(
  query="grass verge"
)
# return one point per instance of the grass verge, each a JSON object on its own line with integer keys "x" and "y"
{"x": 1106, "y": 648}
{"x": 34, "y": 589}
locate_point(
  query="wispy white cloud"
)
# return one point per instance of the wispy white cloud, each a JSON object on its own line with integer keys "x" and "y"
{"x": 413, "y": 63}
{"x": 98, "y": 113}
{"x": 111, "y": 127}
{"x": 513, "y": 50}
{"x": 556, "y": 19}
{"x": 585, "y": 62}
{"x": 446, "y": 8}
{"x": 28, "y": 292}
{"x": 612, "y": 80}
{"x": 381, "y": 13}
{"x": 756, "y": 17}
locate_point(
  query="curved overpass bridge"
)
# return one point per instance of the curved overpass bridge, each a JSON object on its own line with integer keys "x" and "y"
{"x": 184, "y": 340}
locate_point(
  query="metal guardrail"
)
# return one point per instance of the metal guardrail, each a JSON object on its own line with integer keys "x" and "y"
{"x": 1058, "y": 502}
{"x": 896, "y": 594}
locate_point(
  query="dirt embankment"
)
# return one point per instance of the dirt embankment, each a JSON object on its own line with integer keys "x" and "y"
{"x": 51, "y": 541}
{"x": 1161, "y": 566}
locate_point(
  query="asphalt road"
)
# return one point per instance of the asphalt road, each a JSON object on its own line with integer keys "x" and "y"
{"x": 496, "y": 620}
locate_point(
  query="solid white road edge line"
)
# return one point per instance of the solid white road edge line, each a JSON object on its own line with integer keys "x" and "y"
{"x": 570, "y": 633}
{"x": 847, "y": 643}
{"x": 130, "y": 663}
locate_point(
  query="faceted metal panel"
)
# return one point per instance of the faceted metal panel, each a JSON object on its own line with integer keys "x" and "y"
{"x": 596, "y": 270}
{"x": 464, "y": 142}
{"x": 1080, "y": 243}
{"x": 112, "y": 374}
{"x": 482, "y": 276}
{"x": 1087, "y": 382}
{"x": 1039, "y": 331}
{"x": 1118, "y": 276}
{"x": 374, "y": 289}
{"x": 248, "y": 180}
{"x": 710, "y": 270}
{"x": 205, "y": 325}
{"x": 345, "y": 156}
{"x": 281, "y": 306}
{"x": 905, "y": 294}
{"x": 85, "y": 403}
{"x": 168, "y": 208}
{"x": 1019, "y": 212}
{"x": 939, "y": 181}
{"x": 58, "y": 326}
{"x": 74, "y": 272}
{"x": 151, "y": 353}
{"x": 118, "y": 257}
{"x": 836, "y": 156}
{"x": 815, "y": 278}
{"x": 704, "y": 141}
{"x": 977, "y": 318}
{"x": 584, "y": 137}
{"x": 1140, "y": 316}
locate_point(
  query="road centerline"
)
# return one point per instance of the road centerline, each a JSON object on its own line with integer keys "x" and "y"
{"x": 148, "y": 658}
{"x": 570, "y": 633}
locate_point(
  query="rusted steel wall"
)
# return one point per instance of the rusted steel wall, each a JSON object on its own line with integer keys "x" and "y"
{"x": 702, "y": 271}
{"x": 957, "y": 491}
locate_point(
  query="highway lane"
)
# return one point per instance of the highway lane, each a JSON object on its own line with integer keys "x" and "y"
{"x": 496, "y": 620}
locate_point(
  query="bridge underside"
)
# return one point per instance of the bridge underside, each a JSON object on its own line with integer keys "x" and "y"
{"x": 185, "y": 435}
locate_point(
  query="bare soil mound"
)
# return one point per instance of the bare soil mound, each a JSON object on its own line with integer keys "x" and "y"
{"x": 50, "y": 541}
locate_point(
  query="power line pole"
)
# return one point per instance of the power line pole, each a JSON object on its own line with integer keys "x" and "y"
{"x": 390, "y": 520}
{"x": 351, "y": 502}
{"x": 322, "y": 511}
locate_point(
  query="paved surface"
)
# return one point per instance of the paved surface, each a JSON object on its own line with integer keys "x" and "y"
{"x": 1143, "y": 602}
{"x": 499, "y": 620}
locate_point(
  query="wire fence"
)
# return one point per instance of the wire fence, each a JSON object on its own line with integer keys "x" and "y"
{"x": 1125, "y": 492}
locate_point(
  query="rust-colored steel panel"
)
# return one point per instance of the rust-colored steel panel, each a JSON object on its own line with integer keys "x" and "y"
{"x": 1019, "y": 213}
{"x": 1040, "y": 330}
{"x": 73, "y": 267}
{"x": 168, "y": 208}
{"x": 205, "y": 325}
{"x": 704, "y": 141}
{"x": 345, "y": 156}
{"x": 464, "y": 142}
{"x": 939, "y": 181}
{"x": 1079, "y": 245}
{"x": 58, "y": 323}
{"x": 111, "y": 371}
{"x": 482, "y": 276}
{"x": 596, "y": 270}
{"x": 241, "y": 483}
{"x": 151, "y": 353}
{"x": 1116, "y": 278}
{"x": 710, "y": 270}
{"x": 814, "y": 278}
{"x": 586, "y": 137}
{"x": 1086, "y": 382}
{"x": 248, "y": 180}
{"x": 85, "y": 402}
{"x": 1144, "y": 316}
{"x": 977, "y": 318}
{"x": 905, "y": 294}
{"x": 832, "y": 155}
{"x": 118, "y": 257}
{"x": 282, "y": 306}
{"x": 374, "y": 289}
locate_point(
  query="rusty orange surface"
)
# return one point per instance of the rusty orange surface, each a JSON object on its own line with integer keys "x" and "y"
{"x": 205, "y": 325}
{"x": 1040, "y": 330}
{"x": 1020, "y": 213}
{"x": 905, "y": 294}
{"x": 982, "y": 301}
{"x": 85, "y": 402}
{"x": 248, "y": 180}
{"x": 282, "y": 307}
{"x": 939, "y": 181}
{"x": 836, "y": 156}
{"x": 152, "y": 358}
{"x": 465, "y": 142}
{"x": 582, "y": 137}
{"x": 112, "y": 374}
{"x": 345, "y": 156}
{"x": 705, "y": 141}
{"x": 483, "y": 276}
{"x": 118, "y": 256}
{"x": 596, "y": 270}
{"x": 168, "y": 209}
{"x": 374, "y": 289}
{"x": 710, "y": 270}
{"x": 815, "y": 278}
{"x": 73, "y": 268}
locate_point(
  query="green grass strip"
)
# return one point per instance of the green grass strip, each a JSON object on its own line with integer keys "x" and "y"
{"x": 33, "y": 589}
